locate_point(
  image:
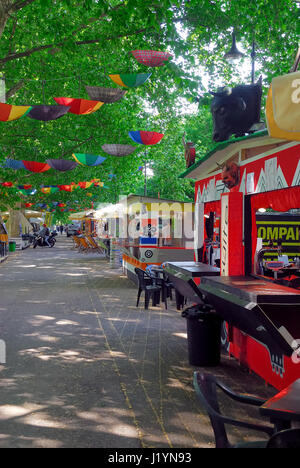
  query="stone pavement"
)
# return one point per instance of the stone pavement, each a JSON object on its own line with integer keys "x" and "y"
{"x": 86, "y": 368}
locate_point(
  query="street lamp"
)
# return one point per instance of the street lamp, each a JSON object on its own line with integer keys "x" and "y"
{"x": 233, "y": 54}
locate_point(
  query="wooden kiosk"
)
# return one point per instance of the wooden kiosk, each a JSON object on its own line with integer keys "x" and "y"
{"x": 261, "y": 267}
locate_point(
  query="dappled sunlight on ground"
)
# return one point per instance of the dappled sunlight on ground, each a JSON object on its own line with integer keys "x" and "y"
{"x": 85, "y": 367}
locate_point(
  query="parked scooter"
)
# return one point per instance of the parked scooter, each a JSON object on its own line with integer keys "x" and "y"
{"x": 40, "y": 241}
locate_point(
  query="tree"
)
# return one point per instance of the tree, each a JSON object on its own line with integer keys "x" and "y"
{"x": 53, "y": 48}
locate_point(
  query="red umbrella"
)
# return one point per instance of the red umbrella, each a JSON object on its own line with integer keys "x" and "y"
{"x": 34, "y": 166}
{"x": 7, "y": 184}
{"x": 79, "y": 106}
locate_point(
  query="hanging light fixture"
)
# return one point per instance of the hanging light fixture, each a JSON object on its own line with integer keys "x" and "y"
{"x": 233, "y": 54}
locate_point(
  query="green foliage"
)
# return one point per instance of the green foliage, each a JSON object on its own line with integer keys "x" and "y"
{"x": 57, "y": 47}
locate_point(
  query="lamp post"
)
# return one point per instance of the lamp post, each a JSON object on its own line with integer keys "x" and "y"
{"x": 233, "y": 55}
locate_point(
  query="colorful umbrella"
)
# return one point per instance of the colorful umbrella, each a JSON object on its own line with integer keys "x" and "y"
{"x": 85, "y": 185}
{"x": 106, "y": 95}
{"x": 7, "y": 184}
{"x": 146, "y": 138}
{"x": 9, "y": 112}
{"x": 67, "y": 187}
{"x": 79, "y": 106}
{"x": 13, "y": 164}
{"x": 46, "y": 113}
{"x": 24, "y": 187}
{"x": 28, "y": 205}
{"x": 118, "y": 150}
{"x": 48, "y": 190}
{"x": 130, "y": 81}
{"x": 88, "y": 159}
{"x": 62, "y": 165}
{"x": 28, "y": 191}
{"x": 34, "y": 166}
{"x": 151, "y": 58}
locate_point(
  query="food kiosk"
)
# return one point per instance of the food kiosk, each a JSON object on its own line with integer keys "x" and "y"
{"x": 148, "y": 230}
{"x": 258, "y": 290}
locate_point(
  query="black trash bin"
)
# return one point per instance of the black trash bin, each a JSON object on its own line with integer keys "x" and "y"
{"x": 204, "y": 335}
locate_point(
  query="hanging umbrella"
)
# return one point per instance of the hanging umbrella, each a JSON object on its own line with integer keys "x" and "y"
{"x": 146, "y": 138}
{"x": 9, "y": 112}
{"x": 28, "y": 205}
{"x": 106, "y": 95}
{"x": 49, "y": 190}
{"x": 46, "y": 113}
{"x": 118, "y": 150}
{"x": 28, "y": 191}
{"x": 13, "y": 164}
{"x": 79, "y": 106}
{"x": 151, "y": 58}
{"x": 67, "y": 187}
{"x": 24, "y": 187}
{"x": 62, "y": 165}
{"x": 34, "y": 166}
{"x": 130, "y": 80}
{"x": 88, "y": 159}
{"x": 85, "y": 185}
{"x": 7, "y": 184}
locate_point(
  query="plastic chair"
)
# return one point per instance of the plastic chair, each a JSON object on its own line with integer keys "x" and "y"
{"x": 146, "y": 284}
{"x": 206, "y": 388}
{"x": 289, "y": 438}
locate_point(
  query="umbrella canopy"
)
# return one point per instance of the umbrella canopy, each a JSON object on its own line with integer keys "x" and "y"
{"x": 130, "y": 80}
{"x": 79, "y": 106}
{"x": 118, "y": 150}
{"x": 9, "y": 112}
{"x": 48, "y": 190}
{"x": 34, "y": 166}
{"x": 88, "y": 159}
{"x": 7, "y": 184}
{"x": 46, "y": 113}
{"x": 67, "y": 188}
{"x": 151, "y": 58}
{"x": 28, "y": 191}
{"x": 106, "y": 95}
{"x": 62, "y": 165}
{"x": 13, "y": 164}
{"x": 25, "y": 187}
{"x": 146, "y": 138}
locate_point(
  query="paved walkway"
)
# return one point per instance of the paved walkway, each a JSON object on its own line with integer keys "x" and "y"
{"x": 86, "y": 368}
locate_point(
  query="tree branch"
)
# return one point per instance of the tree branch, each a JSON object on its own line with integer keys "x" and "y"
{"x": 29, "y": 52}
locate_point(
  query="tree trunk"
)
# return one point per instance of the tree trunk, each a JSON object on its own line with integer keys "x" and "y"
{"x": 4, "y": 14}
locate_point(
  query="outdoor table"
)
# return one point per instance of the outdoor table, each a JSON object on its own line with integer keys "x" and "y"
{"x": 191, "y": 269}
{"x": 182, "y": 272}
{"x": 284, "y": 407}
{"x": 267, "y": 311}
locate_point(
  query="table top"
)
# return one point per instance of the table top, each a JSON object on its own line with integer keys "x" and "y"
{"x": 253, "y": 289}
{"x": 285, "y": 404}
{"x": 192, "y": 269}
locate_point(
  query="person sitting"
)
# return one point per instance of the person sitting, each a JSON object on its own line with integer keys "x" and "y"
{"x": 45, "y": 234}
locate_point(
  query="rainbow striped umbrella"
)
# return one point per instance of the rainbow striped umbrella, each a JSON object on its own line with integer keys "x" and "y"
{"x": 9, "y": 112}
{"x": 130, "y": 80}
{"x": 79, "y": 106}
{"x": 86, "y": 159}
